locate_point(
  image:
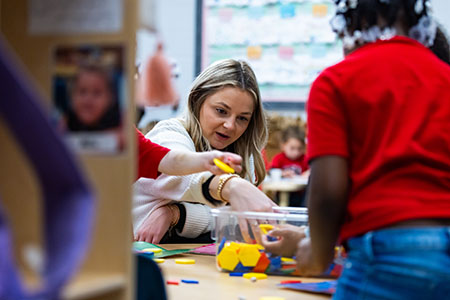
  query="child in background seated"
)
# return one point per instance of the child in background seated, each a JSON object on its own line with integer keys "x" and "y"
{"x": 154, "y": 159}
{"x": 291, "y": 160}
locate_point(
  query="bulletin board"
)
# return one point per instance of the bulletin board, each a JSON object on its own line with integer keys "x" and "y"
{"x": 287, "y": 43}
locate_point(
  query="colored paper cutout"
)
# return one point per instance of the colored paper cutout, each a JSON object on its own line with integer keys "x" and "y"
{"x": 319, "y": 10}
{"x": 254, "y": 52}
{"x": 287, "y": 11}
{"x": 323, "y": 287}
{"x": 226, "y": 14}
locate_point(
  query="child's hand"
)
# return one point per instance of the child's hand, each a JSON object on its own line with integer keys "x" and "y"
{"x": 288, "y": 237}
{"x": 288, "y": 173}
{"x": 305, "y": 261}
{"x": 231, "y": 159}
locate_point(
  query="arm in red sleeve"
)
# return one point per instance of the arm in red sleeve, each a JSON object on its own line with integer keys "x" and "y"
{"x": 149, "y": 156}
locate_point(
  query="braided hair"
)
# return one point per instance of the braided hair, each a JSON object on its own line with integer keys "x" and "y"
{"x": 361, "y": 21}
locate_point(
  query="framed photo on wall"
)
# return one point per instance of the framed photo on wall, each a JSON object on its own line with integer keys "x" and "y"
{"x": 88, "y": 96}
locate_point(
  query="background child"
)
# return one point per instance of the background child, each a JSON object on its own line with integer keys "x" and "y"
{"x": 291, "y": 160}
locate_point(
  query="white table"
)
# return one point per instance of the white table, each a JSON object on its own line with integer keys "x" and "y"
{"x": 285, "y": 186}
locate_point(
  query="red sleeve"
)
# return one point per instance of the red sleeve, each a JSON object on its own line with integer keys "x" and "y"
{"x": 327, "y": 124}
{"x": 149, "y": 156}
{"x": 277, "y": 161}
{"x": 304, "y": 163}
{"x": 264, "y": 156}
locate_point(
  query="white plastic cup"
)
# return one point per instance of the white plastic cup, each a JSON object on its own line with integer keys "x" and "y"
{"x": 276, "y": 174}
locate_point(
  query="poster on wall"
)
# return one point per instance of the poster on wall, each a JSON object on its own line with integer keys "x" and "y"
{"x": 88, "y": 96}
{"x": 74, "y": 17}
{"x": 287, "y": 43}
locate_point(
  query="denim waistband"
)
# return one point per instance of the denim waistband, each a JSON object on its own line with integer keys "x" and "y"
{"x": 401, "y": 239}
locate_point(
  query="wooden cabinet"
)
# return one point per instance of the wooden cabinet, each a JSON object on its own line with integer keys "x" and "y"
{"x": 107, "y": 270}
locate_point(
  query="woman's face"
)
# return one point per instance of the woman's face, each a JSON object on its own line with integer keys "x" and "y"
{"x": 91, "y": 97}
{"x": 225, "y": 115}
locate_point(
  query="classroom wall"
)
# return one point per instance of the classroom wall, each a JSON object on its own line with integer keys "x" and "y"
{"x": 441, "y": 10}
{"x": 176, "y": 23}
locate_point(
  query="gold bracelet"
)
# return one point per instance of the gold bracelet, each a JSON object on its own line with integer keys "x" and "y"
{"x": 172, "y": 210}
{"x": 222, "y": 180}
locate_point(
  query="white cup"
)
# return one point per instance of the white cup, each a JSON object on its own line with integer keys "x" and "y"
{"x": 275, "y": 174}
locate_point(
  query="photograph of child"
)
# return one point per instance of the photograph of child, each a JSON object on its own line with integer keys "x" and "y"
{"x": 88, "y": 84}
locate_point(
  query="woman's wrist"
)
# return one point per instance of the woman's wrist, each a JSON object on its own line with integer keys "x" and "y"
{"x": 175, "y": 214}
{"x": 228, "y": 186}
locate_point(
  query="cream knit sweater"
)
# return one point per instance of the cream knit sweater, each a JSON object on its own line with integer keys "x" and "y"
{"x": 150, "y": 194}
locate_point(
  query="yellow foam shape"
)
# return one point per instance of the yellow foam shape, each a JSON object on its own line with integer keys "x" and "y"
{"x": 256, "y": 275}
{"x": 265, "y": 228}
{"x": 259, "y": 247}
{"x": 159, "y": 260}
{"x": 154, "y": 250}
{"x": 184, "y": 261}
{"x": 249, "y": 255}
{"x": 233, "y": 245}
{"x": 228, "y": 258}
{"x": 287, "y": 259}
{"x": 223, "y": 166}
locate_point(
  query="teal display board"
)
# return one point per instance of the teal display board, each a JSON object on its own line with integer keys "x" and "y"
{"x": 287, "y": 43}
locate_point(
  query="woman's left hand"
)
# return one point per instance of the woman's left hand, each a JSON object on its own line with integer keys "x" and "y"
{"x": 155, "y": 226}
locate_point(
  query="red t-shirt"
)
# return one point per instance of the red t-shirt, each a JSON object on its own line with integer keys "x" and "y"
{"x": 281, "y": 161}
{"x": 386, "y": 108}
{"x": 149, "y": 157}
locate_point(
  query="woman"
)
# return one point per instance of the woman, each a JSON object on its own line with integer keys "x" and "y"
{"x": 224, "y": 113}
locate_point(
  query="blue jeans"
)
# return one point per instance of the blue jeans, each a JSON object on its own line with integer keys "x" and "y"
{"x": 406, "y": 263}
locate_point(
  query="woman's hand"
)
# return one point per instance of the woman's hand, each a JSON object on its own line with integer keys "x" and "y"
{"x": 288, "y": 238}
{"x": 288, "y": 173}
{"x": 244, "y": 196}
{"x": 157, "y": 224}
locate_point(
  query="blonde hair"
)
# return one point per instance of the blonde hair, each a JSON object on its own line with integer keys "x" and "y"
{"x": 234, "y": 73}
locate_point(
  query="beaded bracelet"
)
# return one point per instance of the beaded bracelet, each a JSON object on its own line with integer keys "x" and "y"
{"x": 222, "y": 180}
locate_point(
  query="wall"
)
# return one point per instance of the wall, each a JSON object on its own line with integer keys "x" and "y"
{"x": 441, "y": 9}
{"x": 176, "y": 23}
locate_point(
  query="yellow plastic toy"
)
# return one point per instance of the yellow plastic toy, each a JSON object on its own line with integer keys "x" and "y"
{"x": 154, "y": 250}
{"x": 256, "y": 275}
{"x": 183, "y": 261}
{"x": 223, "y": 166}
{"x": 228, "y": 258}
{"x": 265, "y": 228}
{"x": 249, "y": 255}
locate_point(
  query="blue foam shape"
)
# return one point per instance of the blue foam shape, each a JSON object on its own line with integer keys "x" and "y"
{"x": 221, "y": 245}
{"x": 189, "y": 281}
{"x": 323, "y": 287}
{"x": 241, "y": 268}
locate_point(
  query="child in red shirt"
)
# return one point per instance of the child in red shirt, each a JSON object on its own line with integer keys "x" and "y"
{"x": 154, "y": 159}
{"x": 378, "y": 148}
{"x": 291, "y": 160}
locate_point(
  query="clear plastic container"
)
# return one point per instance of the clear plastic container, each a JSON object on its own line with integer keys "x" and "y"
{"x": 237, "y": 235}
